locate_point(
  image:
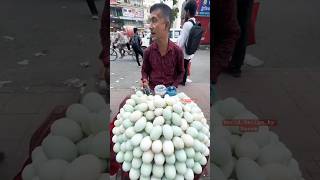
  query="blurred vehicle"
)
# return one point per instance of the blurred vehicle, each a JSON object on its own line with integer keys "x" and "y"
{"x": 173, "y": 35}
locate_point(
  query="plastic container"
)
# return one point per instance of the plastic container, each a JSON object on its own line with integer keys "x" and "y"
{"x": 171, "y": 91}
{"x": 160, "y": 90}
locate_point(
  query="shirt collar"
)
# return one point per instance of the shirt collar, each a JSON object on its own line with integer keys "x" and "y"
{"x": 154, "y": 46}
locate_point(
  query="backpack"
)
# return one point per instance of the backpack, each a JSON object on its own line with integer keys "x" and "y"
{"x": 194, "y": 38}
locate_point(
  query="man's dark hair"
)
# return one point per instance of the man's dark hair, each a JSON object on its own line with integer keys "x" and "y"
{"x": 135, "y": 30}
{"x": 165, "y": 9}
{"x": 191, "y": 6}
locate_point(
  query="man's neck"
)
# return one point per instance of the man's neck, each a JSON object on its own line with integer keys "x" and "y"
{"x": 163, "y": 45}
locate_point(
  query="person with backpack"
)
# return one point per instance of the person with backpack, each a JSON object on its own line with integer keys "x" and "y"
{"x": 136, "y": 45}
{"x": 190, "y": 36}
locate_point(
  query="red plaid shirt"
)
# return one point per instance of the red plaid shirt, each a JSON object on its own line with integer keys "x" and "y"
{"x": 167, "y": 70}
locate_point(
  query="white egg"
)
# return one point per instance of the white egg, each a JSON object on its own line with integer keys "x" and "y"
{"x": 120, "y": 157}
{"x": 98, "y": 145}
{"x": 181, "y": 155}
{"x": 159, "y": 159}
{"x": 67, "y": 128}
{"x": 134, "y": 174}
{"x": 140, "y": 124}
{"x": 84, "y": 144}
{"x": 136, "y": 163}
{"x": 135, "y": 116}
{"x": 275, "y": 171}
{"x": 86, "y": 167}
{"x": 52, "y": 169}
{"x": 158, "y": 121}
{"x": 181, "y": 167}
{"x": 128, "y": 156}
{"x": 157, "y": 171}
{"x": 98, "y": 122}
{"x": 147, "y": 156}
{"x": 158, "y": 111}
{"x": 167, "y": 132}
{"x": 149, "y": 127}
{"x": 136, "y": 139}
{"x": 168, "y": 147}
{"x": 130, "y": 132}
{"x": 28, "y": 172}
{"x": 187, "y": 140}
{"x": 137, "y": 152}
{"x": 77, "y": 112}
{"x": 146, "y": 143}
{"x": 58, "y": 147}
{"x": 150, "y": 115}
{"x": 221, "y": 152}
{"x": 189, "y": 174}
{"x": 94, "y": 102}
{"x": 247, "y": 169}
{"x": 156, "y": 146}
{"x": 146, "y": 169}
{"x": 130, "y": 102}
{"x": 247, "y": 148}
{"x": 156, "y": 132}
{"x": 178, "y": 143}
{"x": 170, "y": 171}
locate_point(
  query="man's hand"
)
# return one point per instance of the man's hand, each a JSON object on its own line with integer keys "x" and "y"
{"x": 144, "y": 83}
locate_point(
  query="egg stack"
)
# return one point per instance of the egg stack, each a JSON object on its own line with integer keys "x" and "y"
{"x": 76, "y": 147}
{"x": 161, "y": 137}
{"x": 242, "y": 155}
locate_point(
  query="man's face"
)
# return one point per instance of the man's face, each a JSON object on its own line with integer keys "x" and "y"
{"x": 158, "y": 25}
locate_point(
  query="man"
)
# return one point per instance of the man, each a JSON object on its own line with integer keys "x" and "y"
{"x": 244, "y": 11}
{"x": 190, "y": 11}
{"x": 162, "y": 60}
{"x": 136, "y": 45}
{"x": 226, "y": 32}
{"x": 121, "y": 42}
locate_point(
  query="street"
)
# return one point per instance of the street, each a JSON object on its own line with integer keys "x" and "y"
{"x": 125, "y": 72}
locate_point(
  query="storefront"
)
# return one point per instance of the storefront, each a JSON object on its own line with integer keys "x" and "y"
{"x": 203, "y": 16}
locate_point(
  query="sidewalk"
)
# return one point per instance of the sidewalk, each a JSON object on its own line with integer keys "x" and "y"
{"x": 290, "y": 96}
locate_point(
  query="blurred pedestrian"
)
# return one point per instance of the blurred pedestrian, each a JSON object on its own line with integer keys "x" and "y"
{"x": 244, "y": 11}
{"x": 163, "y": 59}
{"x": 93, "y": 9}
{"x": 183, "y": 13}
{"x": 186, "y": 35}
{"x": 136, "y": 45}
{"x": 226, "y": 31}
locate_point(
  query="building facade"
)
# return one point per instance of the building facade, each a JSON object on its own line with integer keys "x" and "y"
{"x": 126, "y": 13}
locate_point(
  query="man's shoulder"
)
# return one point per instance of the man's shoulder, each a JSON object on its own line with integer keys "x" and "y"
{"x": 175, "y": 47}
